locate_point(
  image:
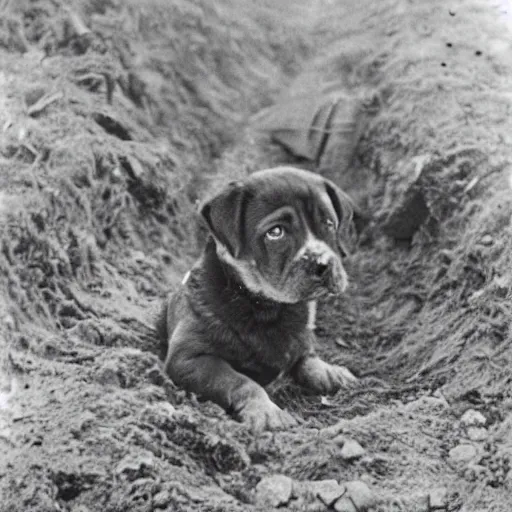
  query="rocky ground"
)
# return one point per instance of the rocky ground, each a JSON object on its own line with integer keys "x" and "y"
{"x": 116, "y": 116}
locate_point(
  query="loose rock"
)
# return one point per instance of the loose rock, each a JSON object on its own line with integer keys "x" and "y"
{"x": 477, "y": 433}
{"x": 352, "y": 450}
{"x": 437, "y": 499}
{"x": 463, "y": 453}
{"x": 487, "y": 240}
{"x": 274, "y": 490}
{"x": 138, "y": 256}
{"x": 472, "y": 418}
{"x": 328, "y": 491}
{"x": 345, "y": 505}
{"x": 360, "y": 494}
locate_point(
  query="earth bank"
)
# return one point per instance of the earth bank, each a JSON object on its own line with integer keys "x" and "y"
{"x": 112, "y": 114}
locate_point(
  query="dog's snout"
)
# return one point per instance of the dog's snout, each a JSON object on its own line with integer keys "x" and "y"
{"x": 321, "y": 268}
{"x": 317, "y": 265}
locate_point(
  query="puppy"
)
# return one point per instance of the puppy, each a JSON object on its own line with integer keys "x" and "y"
{"x": 241, "y": 318}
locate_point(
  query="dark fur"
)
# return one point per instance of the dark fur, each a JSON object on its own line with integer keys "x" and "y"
{"x": 224, "y": 341}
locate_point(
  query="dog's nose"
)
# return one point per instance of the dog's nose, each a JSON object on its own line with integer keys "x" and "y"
{"x": 321, "y": 268}
{"x": 317, "y": 265}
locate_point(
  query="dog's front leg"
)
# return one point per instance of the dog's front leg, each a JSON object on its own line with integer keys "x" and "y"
{"x": 314, "y": 373}
{"x": 215, "y": 379}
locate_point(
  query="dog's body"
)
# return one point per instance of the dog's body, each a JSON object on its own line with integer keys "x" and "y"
{"x": 243, "y": 314}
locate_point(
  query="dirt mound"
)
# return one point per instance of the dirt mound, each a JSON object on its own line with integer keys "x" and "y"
{"x": 116, "y": 116}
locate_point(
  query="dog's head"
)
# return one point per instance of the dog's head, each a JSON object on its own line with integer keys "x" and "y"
{"x": 282, "y": 231}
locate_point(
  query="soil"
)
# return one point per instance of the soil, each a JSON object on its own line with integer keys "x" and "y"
{"x": 117, "y": 117}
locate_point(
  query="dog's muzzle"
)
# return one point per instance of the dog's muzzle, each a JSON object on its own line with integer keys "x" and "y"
{"x": 324, "y": 271}
{"x": 317, "y": 266}
{"x": 321, "y": 269}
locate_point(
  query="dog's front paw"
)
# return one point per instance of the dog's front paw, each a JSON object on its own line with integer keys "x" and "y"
{"x": 323, "y": 377}
{"x": 262, "y": 414}
{"x": 341, "y": 376}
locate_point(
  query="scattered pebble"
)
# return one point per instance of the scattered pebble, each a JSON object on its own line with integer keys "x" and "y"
{"x": 340, "y": 440}
{"x": 9, "y": 322}
{"x": 360, "y": 494}
{"x": 326, "y": 402}
{"x": 275, "y": 490}
{"x": 116, "y": 174}
{"x": 345, "y": 504}
{"x": 463, "y": 453}
{"x": 341, "y": 342}
{"x": 108, "y": 375}
{"x": 138, "y": 256}
{"x": 438, "y": 498}
{"x": 472, "y": 418}
{"x": 487, "y": 240}
{"x": 166, "y": 408}
{"x": 351, "y": 450}
{"x": 477, "y": 433}
{"x": 328, "y": 491}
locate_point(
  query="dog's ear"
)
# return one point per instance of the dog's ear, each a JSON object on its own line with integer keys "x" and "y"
{"x": 350, "y": 216}
{"x": 224, "y": 215}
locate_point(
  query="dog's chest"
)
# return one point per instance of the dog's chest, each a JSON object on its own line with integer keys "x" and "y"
{"x": 263, "y": 350}
{"x": 257, "y": 337}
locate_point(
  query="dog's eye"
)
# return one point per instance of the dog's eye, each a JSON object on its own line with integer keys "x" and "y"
{"x": 275, "y": 233}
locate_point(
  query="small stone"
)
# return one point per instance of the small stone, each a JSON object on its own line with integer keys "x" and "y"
{"x": 161, "y": 499}
{"x": 351, "y": 450}
{"x": 9, "y": 322}
{"x": 341, "y": 342}
{"x": 326, "y": 402}
{"x": 108, "y": 375}
{"x": 437, "y": 499}
{"x": 138, "y": 256}
{"x": 487, "y": 240}
{"x": 472, "y": 418}
{"x": 116, "y": 174}
{"x": 345, "y": 505}
{"x": 166, "y": 408}
{"x": 477, "y": 433}
{"x": 360, "y": 494}
{"x": 463, "y": 453}
{"x": 275, "y": 490}
{"x": 340, "y": 440}
{"x": 328, "y": 491}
